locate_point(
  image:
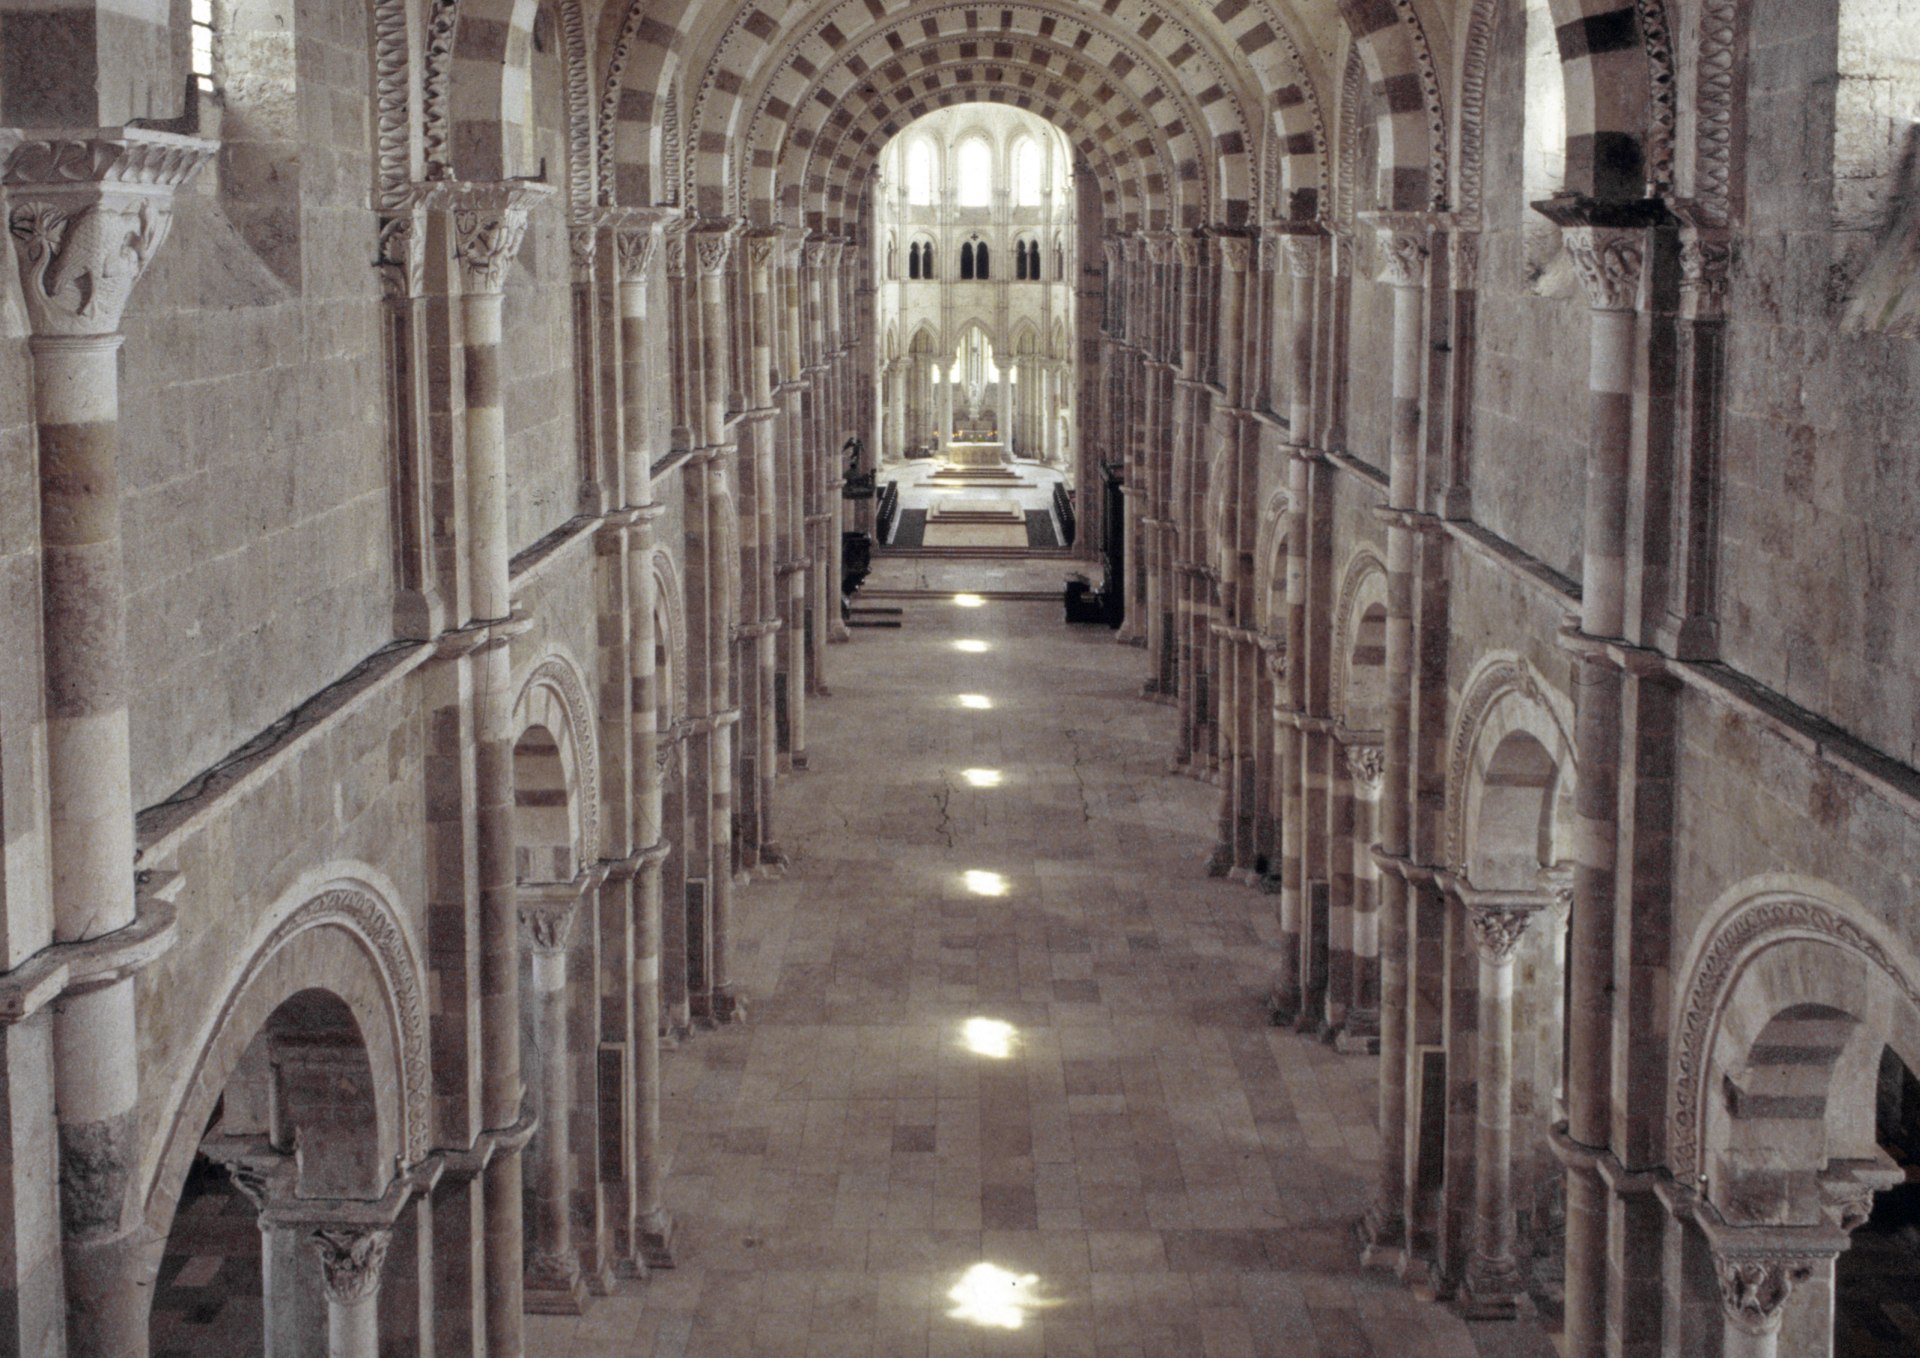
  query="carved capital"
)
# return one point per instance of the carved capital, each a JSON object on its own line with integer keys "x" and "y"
{"x": 582, "y": 250}
{"x": 1186, "y": 252}
{"x": 633, "y": 252}
{"x": 1609, "y": 260}
{"x": 1403, "y": 256}
{"x": 401, "y": 257}
{"x": 1366, "y": 766}
{"x": 1463, "y": 260}
{"x": 1303, "y": 255}
{"x": 1266, "y": 254}
{"x": 762, "y": 246}
{"x": 676, "y": 250}
{"x": 1497, "y": 932}
{"x": 1846, "y": 1203}
{"x": 87, "y": 213}
{"x": 1235, "y": 252}
{"x": 489, "y": 222}
{"x": 1754, "y": 1288}
{"x": 351, "y": 1258}
{"x": 546, "y": 924}
{"x": 714, "y": 247}
{"x": 1706, "y": 263}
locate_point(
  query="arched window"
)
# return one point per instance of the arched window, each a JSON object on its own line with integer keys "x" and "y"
{"x": 1544, "y": 157}
{"x": 1059, "y": 261}
{"x": 966, "y": 261}
{"x": 1020, "y": 260}
{"x": 974, "y": 165}
{"x": 913, "y": 260}
{"x": 926, "y": 261}
{"x": 920, "y": 173}
{"x": 1027, "y": 163}
{"x": 980, "y": 265}
{"x": 203, "y": 45}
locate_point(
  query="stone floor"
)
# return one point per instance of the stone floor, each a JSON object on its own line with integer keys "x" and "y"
{"x": 1006, "y": 1085}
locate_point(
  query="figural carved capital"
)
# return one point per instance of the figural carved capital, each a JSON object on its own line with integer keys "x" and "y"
{"x": 401, "y": 257}
{"x": 1186, "y": 252}
{"x": 713, "y": 247}
{"x": 762, "y": 246}
{"x": 1403, "y": 256}
{"x": 1609, "y": 260}
{"x": 351, "y": 1258}
{"x": 583, "y": 240}
{"x": 489, "y": 223}
{"x": 1366, "y": 766}
{"x": 1235, "y": 252}
{"x": 1497, "y": 932}
{"x": 87, "y": 213}
{"x": 546, "y": 923}
{"x": 1754, "y": 1288}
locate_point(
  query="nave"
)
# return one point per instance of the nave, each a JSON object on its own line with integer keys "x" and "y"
{"x": 1006, "y": 1084}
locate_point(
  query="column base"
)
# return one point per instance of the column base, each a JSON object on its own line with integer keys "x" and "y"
{"x": 1244, "y": 876}
{"x": 773, "y": 862}
{"x": 1270, "y": 885}
{"x": 1220, "y": 861}
{"x": 797, "y": 761}
{"x": 654, "y": 1246}
{"x": 554, "y": 1287}
{"x": 1494, "y": 1290}
{"x": 1381, "y": 1235}
{"x": 838, "y": 633}
{"x": 1359, "y": 1035}
{"x": 726, "y": 1006}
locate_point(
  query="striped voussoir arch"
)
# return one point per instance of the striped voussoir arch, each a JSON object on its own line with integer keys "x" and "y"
{"x": 483, "y": 88}
{"x": 829, "y": 156}
{"x": 643, "y": 41}
{"x": 890, "y": 66}
{"x": 826, "y": 177}
{"x": 742, "y": 74}
{"x": 1393, "y": 53}
{"x": 1604, "y": 64}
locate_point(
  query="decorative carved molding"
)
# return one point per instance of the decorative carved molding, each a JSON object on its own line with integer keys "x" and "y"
{"x": 1497, "y": 932}
{"x": 581, "y": 167}
{"x": 1847, "y": 1203}
{"x": 1609, "y": 261}
{"x": 1431, "y": 99}
{"x": 401, "y": 256}
{"x": 1754, "y": 1289}
{"x": 1471, "y": 118}
{"x": 89, "y": 213}
{"x": 1753, "y": 927}
{"x": 1662, "y": 96}
{"x": 436, "y": 131}
{"x": 392, "y": 63}
{"x": 1713, "y": 108}
{"x": 351, "y": 1258}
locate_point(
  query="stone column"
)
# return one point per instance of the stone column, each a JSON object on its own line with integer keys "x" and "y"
{"x": 765, "y": 624}
{"x": 797, "y": 566}
{"x": 489, "y": 221}
{"x": 1403, "y": 247}
{"x": 833, "y": 433}
{"x": 1366, "y": 763}
{"x": 87, "y": 211}
{"x": 351, "y": 1259}
{"x": 554, "y": 1287}
{"x": 1494, "y": 1283}
{"x": 1609, "y": 260}
{"x": 715, "y": 248}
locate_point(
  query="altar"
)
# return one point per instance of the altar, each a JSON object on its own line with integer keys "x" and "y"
{"x": 972, "y": 453}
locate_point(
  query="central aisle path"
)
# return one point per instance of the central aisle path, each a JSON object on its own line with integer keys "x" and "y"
{"x": 1006, "y": 1084}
